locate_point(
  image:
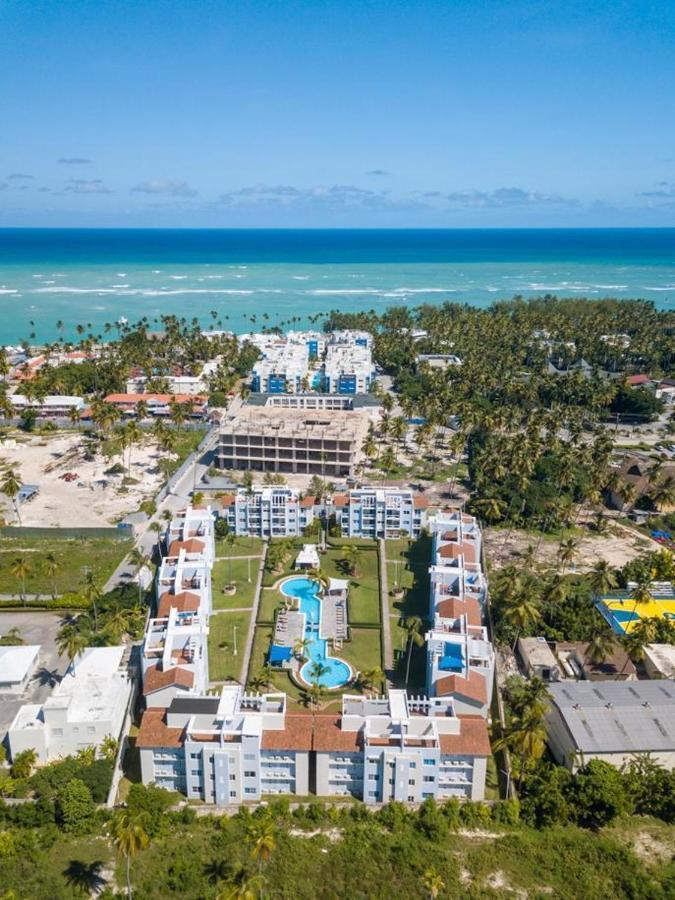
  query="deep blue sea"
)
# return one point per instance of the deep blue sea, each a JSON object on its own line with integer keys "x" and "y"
{"x": 96, "y": 276}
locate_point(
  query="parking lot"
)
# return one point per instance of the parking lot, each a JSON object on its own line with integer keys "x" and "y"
{"x": 35, "y": 628}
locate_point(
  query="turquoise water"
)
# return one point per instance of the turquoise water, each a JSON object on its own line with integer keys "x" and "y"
{"x": 306, "y": 591}
{"x": 287, "y": 276}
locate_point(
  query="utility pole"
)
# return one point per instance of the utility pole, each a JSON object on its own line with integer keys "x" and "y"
{"x": 234, "y": 634}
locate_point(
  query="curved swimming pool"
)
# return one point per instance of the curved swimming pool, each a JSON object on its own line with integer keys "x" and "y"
{"x": 306, "y": 592}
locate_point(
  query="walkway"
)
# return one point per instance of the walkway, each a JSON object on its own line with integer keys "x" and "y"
{"x": 254, "y": 616}
{"x": 384, "y": 614}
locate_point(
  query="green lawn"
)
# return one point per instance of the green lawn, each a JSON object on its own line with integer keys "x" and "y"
{"x": 270, "y": 600}
{"x": 364, "y": 589}
{"x": 223, "y": 664}
{"x": 73, "y": 556}
{"x": 220, "y": 575}
{"x": 269, "y": 578}
{"x": 364, "y": 650}
{"x": 408, "y": 565}
{"x": 243, "y": 546}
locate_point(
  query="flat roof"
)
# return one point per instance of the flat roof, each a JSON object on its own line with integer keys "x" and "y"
{"x": 15, "y": 662}
{"x": 195, "y": 705}
{"x": 618, "y": 716}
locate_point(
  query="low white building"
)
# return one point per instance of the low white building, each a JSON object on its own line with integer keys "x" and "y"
{"x": 659, "y": 660}
{"x": 17, "y": 665}
{"x": 88, "y": 705}
{"x": 612, "y": 721}
{"x": 47, "y": 406}
{"x": 308, "y": 557}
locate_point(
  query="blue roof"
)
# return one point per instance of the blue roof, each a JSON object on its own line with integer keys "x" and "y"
{"x": 452, "y": 659}
{"x": 280, "y": 654}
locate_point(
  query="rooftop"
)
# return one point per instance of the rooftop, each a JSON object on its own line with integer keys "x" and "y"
{"x": 618, "y": 716}
{"x": 16, "y": 662}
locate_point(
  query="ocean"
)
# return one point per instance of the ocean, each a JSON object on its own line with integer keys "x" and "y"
{"x": 244, "y": 279}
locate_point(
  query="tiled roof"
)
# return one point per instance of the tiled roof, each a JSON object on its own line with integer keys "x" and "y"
{"x": 472, "y": 688}
{"x": 453, "y": 608}
{"x": 156, "y": 679}
{"x": 454, "y": 551}
{"x": 227, "y": 499}
{"x": 297, "y": 734}
{"x": 185, "y": 601}
{"x": 472, "y": 740}
{"x": 638, "y": 379}
{"x": 329, "y": 736}
{"x": 190, "y": 546}
{"x": 340, "y": 500}
{"x": 155, "y": 398}
{"x": 154, "y": 731}
{"x": 420, "y": 502}
{"x": 308, "y": 501}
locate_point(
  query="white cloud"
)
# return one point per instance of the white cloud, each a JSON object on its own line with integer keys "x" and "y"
{"x": 19, "y": 176}
{"x": 501, "y": 198}
{"x": 73, "y": 161}
{"x": 86, "y": 186}
{"x": 165, "y": 186}
{"x": 334, "y": 197}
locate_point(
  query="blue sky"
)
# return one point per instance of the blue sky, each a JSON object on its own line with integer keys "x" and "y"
{"x": 290, "y": 113}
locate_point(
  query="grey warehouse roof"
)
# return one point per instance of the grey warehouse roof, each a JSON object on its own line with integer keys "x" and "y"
{"x": 618, "y": 716}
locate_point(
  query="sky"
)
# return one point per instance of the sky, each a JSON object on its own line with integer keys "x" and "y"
{"x": 359, "y": 113}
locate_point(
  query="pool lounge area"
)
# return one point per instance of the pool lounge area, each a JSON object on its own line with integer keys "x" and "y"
{"x": 306, "y": 594}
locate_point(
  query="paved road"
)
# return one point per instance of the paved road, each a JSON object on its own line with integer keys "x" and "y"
{"x": 146, "y": 540}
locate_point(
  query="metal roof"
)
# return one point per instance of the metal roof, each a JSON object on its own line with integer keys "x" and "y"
{"x": 618, "y": 716}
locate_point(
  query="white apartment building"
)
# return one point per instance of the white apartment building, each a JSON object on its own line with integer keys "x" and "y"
{"x": 348, "y": 369}
{"x": 283, "y": 368}
{"x": 239, "y": 747}
{"x": 187, "y": 385}
{"x": 175, "y": 648}
{"x": 88, "y": 705}
{"x": 379, "y": 513}
{"x": 460, "y": 657}
{"x": 268, "y": 512}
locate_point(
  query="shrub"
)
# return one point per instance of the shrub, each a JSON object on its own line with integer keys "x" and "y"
{"x": 75, "y": 807}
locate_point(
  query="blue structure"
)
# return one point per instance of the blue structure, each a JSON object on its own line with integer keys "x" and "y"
{"x": 279, "y": 655}
{"x": 452, "y": 659}
{"x": 276, "y": 384}
{"x": 346, "y": 384}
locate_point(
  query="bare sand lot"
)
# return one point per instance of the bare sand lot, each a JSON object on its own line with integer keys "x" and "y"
{"x": 618, "y": 546}
{"x": 93, "y": 499}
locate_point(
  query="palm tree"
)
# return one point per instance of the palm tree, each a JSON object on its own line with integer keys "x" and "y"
{"x": 10, "y": 487}
{"x": 662, "y": 493}
{"x": 432, "y": 883}
{"x": 601, "y": 647}
{"x": 522, "y": 611}
{"x": 413, "y": 626}
{"x": 491, "y": 508}
{"x": 317, "y": 671}
{"x": 85, "y": 878}
{"x": 369, "y": 676}
{"x": 352, "y": 554}
{"x": 245, "y": 887}
{"x": 71, "y": 641}
{"x": 92, "y": 593}
{"x": 567, "y": 551}
{"x": 261, "y": 838}
{"x": 301, "y": 646}
{"x": 138, "y": 560}
{"x": 51, "y": 566}
{"x": 23, "y": 763}
{"x": 602, "y": 577}
{"x": 20, "y": 568}
{"x": 129, "y": 836}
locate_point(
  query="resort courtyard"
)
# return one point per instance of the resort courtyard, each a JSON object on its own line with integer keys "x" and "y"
{"x": 319, "y": 633}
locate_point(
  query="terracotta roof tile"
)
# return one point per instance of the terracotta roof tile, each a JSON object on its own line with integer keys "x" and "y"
{"x": 467, "y": 549}
{"x": 154, "y": 732}
{"x": 190, "y": 546}
{"x": 340, "y": 500}
{"x": 155, "y": 679}
{"x": 308, "y": 502}
{"x": 420, "y": 502}
{"x": 227, "y": 499}
{"x": 329, "y": 736}
{"x": 185, "y": 601}
{"x": 297, "y": 735}
{"x": 472, "y": 688}
{"x": 472, "y": 740}
{"x": 453, "y": 608}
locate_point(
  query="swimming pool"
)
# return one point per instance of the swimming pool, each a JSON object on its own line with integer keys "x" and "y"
{"x": 306, "y": 592}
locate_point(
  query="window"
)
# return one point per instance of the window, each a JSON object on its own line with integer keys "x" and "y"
{"x": 249, "y": 756}
{"x": 249, "y": 790}
{"x": 411, "y": 799}
{"x": 429, "y": 762}
{"x": 195, "y": 772}
{"x": 233, "y": 793}
{"x": 372, "y": 793}
{"x": 391, "y": 781}
{"x": 233, "y": 777}
{"x": 411, "y": 781}
{"x": 413, "y": 765}
{"x": 430, "y": 778}
{"x": 194, "y": 756}
{"x": 427, "y": 796}
{"x": 58, "y": 732}
{"x": 249, "y": 774}
{"x": 91, "y": 730}
{"x": 373, "y": 778}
